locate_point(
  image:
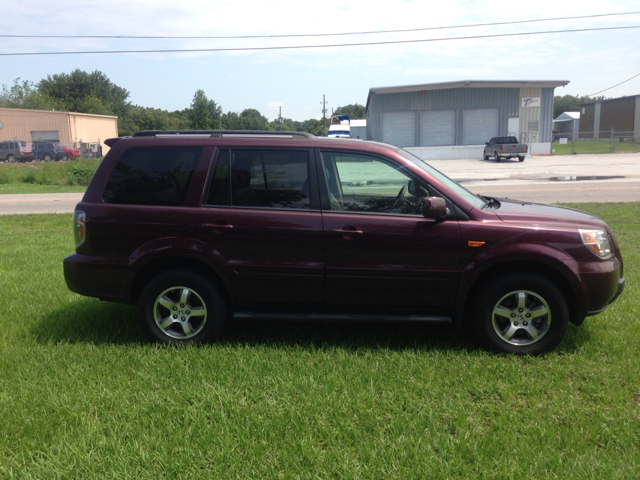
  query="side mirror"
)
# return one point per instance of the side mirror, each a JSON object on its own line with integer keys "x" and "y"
{"x": 486, "y": 143}
{"x": 434, "y": 207}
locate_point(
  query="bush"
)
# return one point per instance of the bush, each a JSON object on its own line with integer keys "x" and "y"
{"x": 82, "y": 173}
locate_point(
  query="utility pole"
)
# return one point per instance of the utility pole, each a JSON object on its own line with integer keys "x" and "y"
{"x": 324, "y": 112}
{"x": 280, "y": 115}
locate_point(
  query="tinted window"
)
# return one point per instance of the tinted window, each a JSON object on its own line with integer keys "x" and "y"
{"x": 359, "y": 183}
{"x": 505, "y": 140}
{"x": 152, "y": 176}
{"x": 261, "y": 178}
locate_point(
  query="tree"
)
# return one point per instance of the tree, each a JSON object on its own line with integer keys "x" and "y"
{"x": 249, "y": 119}
{"x": 571, "y": 103}
{"x": 205, "y": 114}
{"x": 85, "y": 92}
{"x": 355, "y": 111}
{"x": 142, "y": 118}
{"x": 26, "y": 95}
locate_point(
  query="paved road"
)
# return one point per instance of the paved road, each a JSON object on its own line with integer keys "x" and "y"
{"x": 38, "y": 203}
{"x": 547, "y": 179}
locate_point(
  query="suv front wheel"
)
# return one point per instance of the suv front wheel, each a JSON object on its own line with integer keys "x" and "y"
{"x": 520, "y": 313}
{"x": 180, "y": 306}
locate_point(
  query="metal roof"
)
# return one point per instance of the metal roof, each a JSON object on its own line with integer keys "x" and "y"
{"x": 567, "y": 117}
{"x": 471, "y": 84}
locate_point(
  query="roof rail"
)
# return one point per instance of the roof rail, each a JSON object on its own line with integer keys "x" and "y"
{"x": 220, "y": 133}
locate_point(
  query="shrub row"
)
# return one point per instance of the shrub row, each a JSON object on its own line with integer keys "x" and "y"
{"x": 76, "y": 172}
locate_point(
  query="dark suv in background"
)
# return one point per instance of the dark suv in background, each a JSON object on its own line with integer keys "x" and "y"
{"x": 200, "y": 227}
{"x": 15, "y": 150}
{"x": 48, "y": 151}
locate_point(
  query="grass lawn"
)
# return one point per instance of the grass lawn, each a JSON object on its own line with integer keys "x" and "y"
{"x": 6, "y": 188}
{"x": 83, "y": 396}
{"x": 594, "y": 146}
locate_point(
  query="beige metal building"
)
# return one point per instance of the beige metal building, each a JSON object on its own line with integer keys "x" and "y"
{"x": 73, "y": 130}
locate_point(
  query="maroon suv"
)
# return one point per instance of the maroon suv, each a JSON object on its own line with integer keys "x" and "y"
{"x": 196, "y": 227}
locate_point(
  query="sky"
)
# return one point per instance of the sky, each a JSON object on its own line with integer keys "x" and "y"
{"x": 297, "y": 79}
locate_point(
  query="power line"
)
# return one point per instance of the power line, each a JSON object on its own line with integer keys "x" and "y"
{"x": 294, "y": 47}
{"x": 592, "y": 94}
{"x": 320, "y": 34}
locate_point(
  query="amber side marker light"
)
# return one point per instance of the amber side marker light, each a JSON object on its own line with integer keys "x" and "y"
{"x": 473, "y": 243}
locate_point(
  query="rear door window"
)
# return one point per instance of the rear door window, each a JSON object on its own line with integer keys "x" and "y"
{"x": 152, "y": 176}
{"x": 262, "y": 178}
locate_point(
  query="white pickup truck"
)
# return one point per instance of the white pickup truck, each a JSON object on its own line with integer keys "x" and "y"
{"x": 505, "y": 147}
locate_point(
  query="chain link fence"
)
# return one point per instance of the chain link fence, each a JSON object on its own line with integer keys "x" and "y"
{"x": 610, "y": 141}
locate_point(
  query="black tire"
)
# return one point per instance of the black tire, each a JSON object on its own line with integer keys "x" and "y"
{"x": 485, "y": 157}
{"x": 167, "y": 305}
{"x": 520, "y": 158}
{"x": 46, "y": 157}
{"x": 534, "y": 314}
{"x": 64, "y": 158}
{"x": 495, "y": 154}
{"x": 11, "y": 158}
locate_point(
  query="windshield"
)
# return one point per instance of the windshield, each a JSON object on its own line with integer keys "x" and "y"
{"x": 470, "y": 197}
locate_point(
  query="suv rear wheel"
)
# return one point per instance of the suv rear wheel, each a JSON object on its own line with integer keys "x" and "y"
{"x": 181, "y": 306}
{"x": 11, "y": 158}
{"x": 520, "y": 313}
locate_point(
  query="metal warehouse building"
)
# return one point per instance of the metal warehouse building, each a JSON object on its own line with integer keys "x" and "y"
{"x": 620, "y": 114}
{"x": 73, "y": 130}
{"x": 455, "y": 119}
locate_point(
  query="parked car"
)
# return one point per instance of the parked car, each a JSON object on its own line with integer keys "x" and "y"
{"x": 198, "y": 228}
{"x": 505, "y": 147}
{"x": 48, "y": 151}
{"x": 71, "y": 152}
{"x": 16, "y": 150}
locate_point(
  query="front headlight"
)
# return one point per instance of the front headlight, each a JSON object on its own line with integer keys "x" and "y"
{"x": 596, "y": 240}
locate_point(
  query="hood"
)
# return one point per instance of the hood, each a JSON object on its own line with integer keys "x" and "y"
{"x": 538, "y": 213}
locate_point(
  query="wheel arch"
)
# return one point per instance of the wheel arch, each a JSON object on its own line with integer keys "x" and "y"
{"x": 178, "y": 262}
{"x": 465, "y": 297}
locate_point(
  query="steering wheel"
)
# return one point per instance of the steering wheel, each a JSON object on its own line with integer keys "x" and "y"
{"x": 400, "y": 197}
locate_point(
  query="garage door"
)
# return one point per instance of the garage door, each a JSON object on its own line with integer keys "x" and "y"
{"x": 399, "y": 128}
{"x": 45, "y": 136}
{"x": 480, "y": 125}
{"x": 438, "y": 127}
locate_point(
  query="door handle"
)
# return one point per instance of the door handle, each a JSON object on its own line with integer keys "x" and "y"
{"x": 219, "y": 229}
{"x": 346, "y": 233}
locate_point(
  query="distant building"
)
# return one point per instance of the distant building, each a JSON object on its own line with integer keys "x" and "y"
{"x": 567, "y": 125}
{"x": 620, "y": 114}
{"x": 455, "y": 119}
{"x": 72, "y": 130}
{"x": 359, "y": 129}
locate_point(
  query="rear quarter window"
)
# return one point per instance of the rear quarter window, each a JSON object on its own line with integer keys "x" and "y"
{"x": 152, "y": 176}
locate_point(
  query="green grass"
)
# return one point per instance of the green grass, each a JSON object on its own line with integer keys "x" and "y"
{"x": 47, "y": 177}
{"x": 7, "y": 188}
{"x": 594, "y": 146}
{"x": 83, "y": 396}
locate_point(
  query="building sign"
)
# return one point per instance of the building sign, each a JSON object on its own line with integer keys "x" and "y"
{"x": 531, "y": 102}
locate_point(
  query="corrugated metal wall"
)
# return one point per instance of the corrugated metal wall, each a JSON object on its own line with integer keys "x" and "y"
{"x": 617, "y": 114}
{"x": 70, "y": 127}
{"x": 505, "y": 99}
{"x": 530, "y": 127}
